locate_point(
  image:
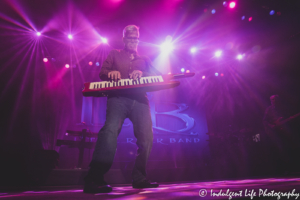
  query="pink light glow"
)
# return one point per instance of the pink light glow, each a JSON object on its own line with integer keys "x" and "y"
{"x": 91, "y": 63}
{"x": 104, "y": 40}
{"x": 38, "y": 33}
{"x": 45, "y": 59}
{"x": 67, "y": 65}
{"x": 203, "y": 77}
{"x": 250, "y": 19}
{"x": 70, "y": 36}
{"x": 218, "y": 53}
{"x": 232, "y": 4}
{"x": 187, "y": 71}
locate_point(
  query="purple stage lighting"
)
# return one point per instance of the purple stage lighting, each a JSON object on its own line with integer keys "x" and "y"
{"x": 193, "y": 50}
{"x": 203, "y": 77}
{"x": 70, "y": 36}
{"x": 225, "y": 4}
{"x": 272, "y": 12}
{"x": 166, "y": 47}
{"x": 216, "y": 74}
{"x": 243, "y": 17}
{"x": 97, "y": 64}
{"x": 67, "y": 66}
{"x": 218, "y": 53}
{"x": 104, "y": 40}
{"x": 182, "y": 70}
{"x": 45, "y": 59}
{"x": 250, "y": 19}
{"x": 239, "y": 57}
{"x": 232, "y": 4}
{"x": 213, "y": 11}
{"x": 38, "y": 33}
{"x": 90, "y": 63}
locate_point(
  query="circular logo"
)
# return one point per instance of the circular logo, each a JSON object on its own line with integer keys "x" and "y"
{"x": 202, "y": 192}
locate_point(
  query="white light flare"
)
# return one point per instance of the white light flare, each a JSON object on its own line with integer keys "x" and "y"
{"x": 218, "y": 53}
{"x": 193, "y": 50}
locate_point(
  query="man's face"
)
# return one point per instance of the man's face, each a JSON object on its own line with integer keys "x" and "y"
{"x": 274, "y": 100}
{"x": 131, "y": 40}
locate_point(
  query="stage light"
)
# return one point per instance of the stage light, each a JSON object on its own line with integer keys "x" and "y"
{"x": 193, "y": 50}
{"x": 187, "y": 71}
{"x": 67, "y": 66}
{"x": 70, "y": 36}
{"x": 218, "y": 53}
{"x": 243, "y": 17}
{"x": 182, "y": 70}
{"x": 278, "y": 13}
{"x": 232, "y": 4}
{"x": 91, "y": 63}
{"x": 239, "y": 57}
{"x": 216, "y": 74}
{"x": 213, "y": 11}
{"x": 166, "y": 47}
{"x": 222, "y": 74}
{"x": 272, "y": 12}
{"x": 38, "y": 33}
{"x": 104, "y": 40}
{"x": 203, "y": 77}
{"x": 225, "y": 4}
{"x": 45, "y": 59}
{"x": 97, "y": 64}
{"x": 250, "y": 19}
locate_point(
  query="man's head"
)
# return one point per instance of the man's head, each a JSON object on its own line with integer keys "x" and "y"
{"x": 131, "y": 37}
{"x": 274, "y": 99}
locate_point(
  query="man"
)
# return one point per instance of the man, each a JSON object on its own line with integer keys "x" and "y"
{"x": 122, "y": 64}
{"x": 278, "y": 136}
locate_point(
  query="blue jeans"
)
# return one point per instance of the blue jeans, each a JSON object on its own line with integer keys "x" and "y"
{"x": 118, "y": 109}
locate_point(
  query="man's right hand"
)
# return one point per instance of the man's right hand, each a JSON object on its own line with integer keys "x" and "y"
{"x": 114, "y": 75}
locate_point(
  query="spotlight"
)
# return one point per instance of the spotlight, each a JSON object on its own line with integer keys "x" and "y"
{"x": 38, "y": 33}
{"x": 97, "y": 64}
{"x": 218, "y": 53}
{"x": 232, "y": 4}
{"x": 104, "y": 40}
{"x": 70, "y": 36}
{"x": 222, "y": 74}
{"x": 213, "y": 11}
{"x": 225, "y": 4}
{"x": 203, "y": 77}
{"x": 67, "y": 66}
{"x": 239, "y": 57}
{"x": 166, "y": 47}
{"x": 187, "y": 71}
{"x": 45, "y": 59}
{"x": 272, "y": 12}
{"x": 182, "y": 70}
{"x": 91, "y": 63}
{"x": 243, "y": 17}
{"x": 250, "y": 19}
{"x": 216, "y": 74}
{"x": 193, "y": 50}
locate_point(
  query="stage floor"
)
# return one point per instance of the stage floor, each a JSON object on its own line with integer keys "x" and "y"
{"x": 266, "y": 188}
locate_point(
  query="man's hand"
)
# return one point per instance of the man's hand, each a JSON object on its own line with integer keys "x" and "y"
{"x": 136, "y": 74}
{"x": 115, "y": 75}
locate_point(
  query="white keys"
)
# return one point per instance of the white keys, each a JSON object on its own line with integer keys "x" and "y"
{"x": 125, "y": 82}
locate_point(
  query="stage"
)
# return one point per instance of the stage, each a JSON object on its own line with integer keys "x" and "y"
{"x": 263, "y": 188}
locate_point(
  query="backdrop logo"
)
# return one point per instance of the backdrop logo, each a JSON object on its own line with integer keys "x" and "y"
{"x": 172, "y": 117}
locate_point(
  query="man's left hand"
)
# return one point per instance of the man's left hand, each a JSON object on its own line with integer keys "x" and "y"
{"x": 136, "y": 74}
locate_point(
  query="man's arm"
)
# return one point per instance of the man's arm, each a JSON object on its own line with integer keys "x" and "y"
{"x": 107, "y": 72}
